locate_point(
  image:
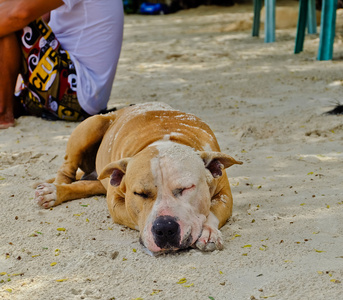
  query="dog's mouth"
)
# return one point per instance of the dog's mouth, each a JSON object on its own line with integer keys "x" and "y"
{"x": 186, "y": 243}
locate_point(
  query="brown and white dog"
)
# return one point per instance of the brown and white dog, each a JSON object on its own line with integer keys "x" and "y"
{"x": 162, "y": 171}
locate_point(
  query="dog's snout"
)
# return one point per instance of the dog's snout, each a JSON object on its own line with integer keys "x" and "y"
{"x": 166, "y": 232}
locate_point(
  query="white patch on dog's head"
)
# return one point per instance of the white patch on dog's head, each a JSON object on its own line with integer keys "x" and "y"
{"x": 182, "y": 192}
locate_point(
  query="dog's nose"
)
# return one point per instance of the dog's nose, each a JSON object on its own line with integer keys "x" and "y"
{"x": 166, "y": 232}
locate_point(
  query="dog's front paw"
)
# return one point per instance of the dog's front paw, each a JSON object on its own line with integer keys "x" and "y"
{"x": 45, "y": 195}
{"x": 210, "y": 239}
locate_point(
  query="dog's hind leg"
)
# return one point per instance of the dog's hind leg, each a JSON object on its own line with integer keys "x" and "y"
{"x": 82, "y": 148}
{"x": 71, "y": 183}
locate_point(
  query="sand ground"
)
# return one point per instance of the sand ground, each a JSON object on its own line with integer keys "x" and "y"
{"x": 265, "y": 104}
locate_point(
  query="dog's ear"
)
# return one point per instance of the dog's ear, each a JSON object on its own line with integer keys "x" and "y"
{"x": 115, "y": 170}
{"x": 215, "y": 162}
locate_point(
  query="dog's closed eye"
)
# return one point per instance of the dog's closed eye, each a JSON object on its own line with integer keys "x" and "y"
{"x": 142, "y": 195}
{"x": 179, "y": 192}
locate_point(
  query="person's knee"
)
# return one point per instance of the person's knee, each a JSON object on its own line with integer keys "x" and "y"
{"x": 9, "y": 47}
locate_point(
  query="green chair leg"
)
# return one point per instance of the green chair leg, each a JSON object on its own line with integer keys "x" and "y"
{"x": 327, "y": 29}
{"x": 312, "y": 17}
{"x": 269, "y": 24}
{"x": 302, "y": 19}
{"x": 257, "y": 17}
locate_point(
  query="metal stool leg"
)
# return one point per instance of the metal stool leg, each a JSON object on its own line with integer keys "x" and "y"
{"x": 327, "y": 29}
{"x": 257, "y": 17}
{"x": 312, "y": 18}
{"x": 269, "y": 24}
{"x": 302, "y": 19}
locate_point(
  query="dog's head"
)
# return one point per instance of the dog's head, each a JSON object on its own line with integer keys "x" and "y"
{"x": 167, "y": 189}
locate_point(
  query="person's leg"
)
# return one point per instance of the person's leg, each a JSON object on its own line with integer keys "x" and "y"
{"x": 10, "y": 61}
{"x": 49, "y": 76}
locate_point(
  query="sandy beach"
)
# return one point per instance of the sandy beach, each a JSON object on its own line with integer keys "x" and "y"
{"x": 265, "y": 105}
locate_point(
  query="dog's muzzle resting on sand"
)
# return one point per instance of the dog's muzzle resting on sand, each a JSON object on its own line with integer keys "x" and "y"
{"x": 162, "y": 171}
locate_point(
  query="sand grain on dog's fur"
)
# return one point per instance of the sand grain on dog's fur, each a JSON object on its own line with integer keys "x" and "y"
{"x": 265, "y": 106}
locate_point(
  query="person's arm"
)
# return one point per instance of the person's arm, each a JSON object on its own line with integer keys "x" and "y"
{"x": 16, "y": 14}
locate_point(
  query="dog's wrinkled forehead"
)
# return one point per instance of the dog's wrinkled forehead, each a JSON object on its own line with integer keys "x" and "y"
{"x": 178, "y": 156}
{"x": 174, "y": 151}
